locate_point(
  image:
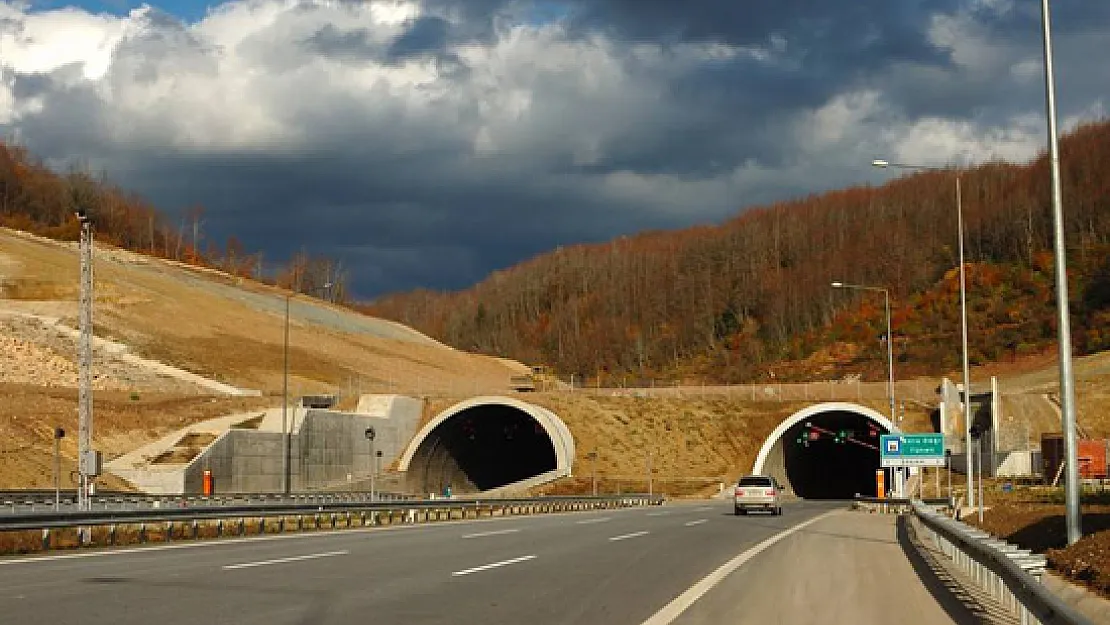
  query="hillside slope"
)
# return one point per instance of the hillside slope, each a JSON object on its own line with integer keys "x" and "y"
{"x": 208, "y": 323}
{"x": 730, "y": 302}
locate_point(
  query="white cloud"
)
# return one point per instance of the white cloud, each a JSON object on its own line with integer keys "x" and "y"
{"x": 934, "y": 141}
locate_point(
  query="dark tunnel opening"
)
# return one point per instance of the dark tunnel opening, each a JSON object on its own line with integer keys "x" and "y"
{"x": 832, "y": 455}
{"x": 480, "y": 448}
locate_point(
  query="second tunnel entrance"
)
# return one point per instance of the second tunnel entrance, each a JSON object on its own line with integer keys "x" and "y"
{"x": 478, "y": 446}
{"x": 828, "y": 451}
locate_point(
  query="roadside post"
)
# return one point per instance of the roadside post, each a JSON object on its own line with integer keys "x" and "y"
{"x": 59, "y": 434}
{"x": 948, "y": 464}
{"x": 370, "y": 435}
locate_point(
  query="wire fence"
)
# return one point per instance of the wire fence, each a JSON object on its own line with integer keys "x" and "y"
{"x": 920, "y": 391}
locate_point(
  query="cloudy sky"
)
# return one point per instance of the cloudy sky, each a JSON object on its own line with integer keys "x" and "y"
{"x": 427, "y": 142}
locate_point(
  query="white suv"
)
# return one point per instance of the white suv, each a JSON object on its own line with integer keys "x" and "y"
{"x": 761, "y": 492}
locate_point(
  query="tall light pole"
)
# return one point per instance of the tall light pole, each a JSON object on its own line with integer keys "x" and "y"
{"x": 889, "y": 339}
{"x": 889, "y": 350}
{"x": 286, "y": 426}
{"x": 963, "y": 317}
{"x": 86, "y": 465}
{"x": 1073, "y": 521}
{"x": 285, "y": 404}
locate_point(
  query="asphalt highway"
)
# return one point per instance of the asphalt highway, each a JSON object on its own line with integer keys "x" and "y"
{"x": 614, "y": 567}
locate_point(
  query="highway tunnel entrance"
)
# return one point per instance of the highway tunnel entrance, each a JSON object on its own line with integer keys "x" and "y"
{"x": 827, "y": 451}
{"x": 484, "y": 444}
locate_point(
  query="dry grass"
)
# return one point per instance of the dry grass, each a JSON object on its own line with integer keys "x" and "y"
{"x": 201, "y": 321}
{"x": 29, "y": 414}
{"x": 695, "y": 443}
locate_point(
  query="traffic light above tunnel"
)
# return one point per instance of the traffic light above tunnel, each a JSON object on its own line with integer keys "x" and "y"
{"x": 836, "y": 458}
{"x": 826, "y": 451}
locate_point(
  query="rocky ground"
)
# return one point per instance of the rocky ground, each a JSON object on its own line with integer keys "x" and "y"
{"x": 37, "y": 352}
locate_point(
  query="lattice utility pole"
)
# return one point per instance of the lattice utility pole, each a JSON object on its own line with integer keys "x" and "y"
{"x": 86, "y": 460}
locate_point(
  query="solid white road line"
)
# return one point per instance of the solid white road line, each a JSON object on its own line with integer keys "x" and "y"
{"x": 588, "y": 521}
{"x": 493, "y": 533}
{"x": 311, "y": 556}
{"x": 678, "y": 605}
{"x": 632, "y": 535}
{"x": 486, "y": 567}
{"x": 692, "y": 523}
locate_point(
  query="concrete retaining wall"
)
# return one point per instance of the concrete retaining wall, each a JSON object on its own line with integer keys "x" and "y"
{"x": 325, "y": 448}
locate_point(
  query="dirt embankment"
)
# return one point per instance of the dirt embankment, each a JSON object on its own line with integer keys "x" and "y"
{"x": 202, "y": 321}
{"x": 122, "y": 421}
{"x": 695, "y": 442}
{"x": 1035, "y": 519}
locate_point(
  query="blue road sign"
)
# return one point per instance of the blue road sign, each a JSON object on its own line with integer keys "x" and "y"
{"x": 911, "y": 450}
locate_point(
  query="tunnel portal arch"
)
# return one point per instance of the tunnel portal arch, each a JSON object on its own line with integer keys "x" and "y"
{"x": 807, "y": 474}
{"x": 468, "y": 446}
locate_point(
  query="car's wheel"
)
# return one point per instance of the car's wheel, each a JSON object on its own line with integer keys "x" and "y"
{"x": 779, "y": 511}
{"x": 737, "y": 511}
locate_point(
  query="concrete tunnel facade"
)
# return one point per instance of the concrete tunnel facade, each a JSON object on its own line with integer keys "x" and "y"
{"x": 823, "y": 468}
{"x": 486, "y": 443}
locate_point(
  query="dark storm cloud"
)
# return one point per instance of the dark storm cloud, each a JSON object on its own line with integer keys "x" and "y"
{"x": 332, "y": 42}
{"x": 632, "y": 129}
{"x": 440, "y": 231}
{"x": 426, "y": 35}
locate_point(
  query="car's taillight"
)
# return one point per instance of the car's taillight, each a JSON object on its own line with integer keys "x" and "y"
{"x": 770, "y": 493}
{"x": 739, "y": 492}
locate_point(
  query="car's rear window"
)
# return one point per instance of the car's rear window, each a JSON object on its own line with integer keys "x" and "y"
{"x": 755, "y": 481}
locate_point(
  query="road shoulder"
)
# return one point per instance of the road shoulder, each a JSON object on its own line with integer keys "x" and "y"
{"x": 847, "y": 567}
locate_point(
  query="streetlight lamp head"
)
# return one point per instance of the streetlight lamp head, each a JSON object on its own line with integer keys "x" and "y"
{"x": 837, "y": 285}
{"x": 879, "y": 163}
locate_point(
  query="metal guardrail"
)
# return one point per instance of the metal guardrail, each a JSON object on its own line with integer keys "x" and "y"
{"x": 1010, "y": 574}
{"x": 187, "y": 520}
{"x": 931, "y": 501}
{"x": 31, "y": 500}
